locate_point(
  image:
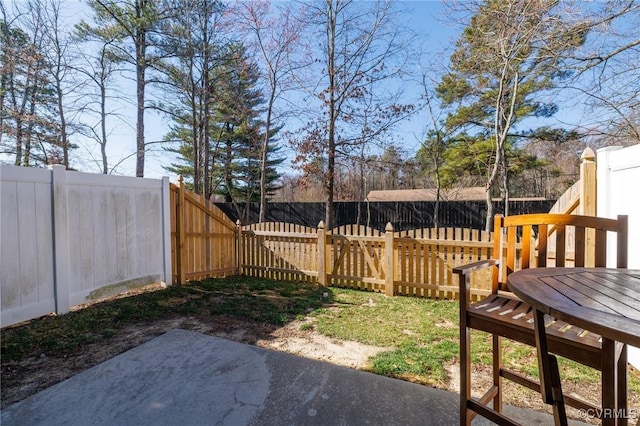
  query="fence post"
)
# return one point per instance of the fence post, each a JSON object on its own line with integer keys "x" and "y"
{"x": 239, "y": 248}
{"x": 166, "y": 229}
{"x": 588, "y": 183}
{"x": 60, "y": 238}
{"x": 322, "y": 254}
{"x": 180, "y": 252}
{"x": 588, "y": 198}
{"x": 389, "y": 259}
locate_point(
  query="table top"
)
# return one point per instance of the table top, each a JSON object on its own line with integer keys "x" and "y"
{"x": 601, "y": 300}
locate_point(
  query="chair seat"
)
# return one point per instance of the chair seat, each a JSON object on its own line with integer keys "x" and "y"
{"x": 510, "y": 317}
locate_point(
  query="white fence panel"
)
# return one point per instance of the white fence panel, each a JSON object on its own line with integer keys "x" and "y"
{"x": 117, "y": 238}
{"x": 618, "y": 178}
{"x": 69, "y": 237}
{"x": 26, "y": 244}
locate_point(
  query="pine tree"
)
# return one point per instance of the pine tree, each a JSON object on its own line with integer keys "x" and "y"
{"x": 193, "y": 46}
{"x": 239, "y": 130}
{"x": 509, "y": 53}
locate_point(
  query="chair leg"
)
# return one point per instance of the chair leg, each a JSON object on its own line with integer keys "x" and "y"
{"x": 559, "y": 411}
{"x": 622, "y": 385}
{"x": 550, "y": 385}
{"x": 465, "y": 374}
{"x": 609, "y": 382}
{"x": 497, "y": 366}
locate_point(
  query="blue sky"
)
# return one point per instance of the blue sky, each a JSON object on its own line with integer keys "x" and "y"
{"x": 426, "y": 20}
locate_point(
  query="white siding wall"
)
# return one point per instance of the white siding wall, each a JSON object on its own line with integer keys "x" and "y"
{"x": 70, "y": 237}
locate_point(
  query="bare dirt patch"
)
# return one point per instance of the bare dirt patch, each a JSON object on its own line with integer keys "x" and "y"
{"x": 295, "y": 339}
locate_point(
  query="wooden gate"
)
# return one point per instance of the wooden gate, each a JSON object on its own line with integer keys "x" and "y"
{"x": 203, "y": 238}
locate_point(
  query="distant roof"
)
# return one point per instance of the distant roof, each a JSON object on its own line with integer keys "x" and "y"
{"x": 474, "y": 193}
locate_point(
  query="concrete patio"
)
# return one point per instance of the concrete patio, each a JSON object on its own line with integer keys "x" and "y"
{"x": 187, "y": 378}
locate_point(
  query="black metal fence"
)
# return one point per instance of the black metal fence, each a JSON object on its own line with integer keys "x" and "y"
{"x": 403, "y": 215}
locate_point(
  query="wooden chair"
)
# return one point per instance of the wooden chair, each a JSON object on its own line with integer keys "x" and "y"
{"x": 542, "y": 240}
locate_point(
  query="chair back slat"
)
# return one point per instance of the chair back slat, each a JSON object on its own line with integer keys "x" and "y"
{"x": 511, "y": 249}
{"x": 542, "y": 246}
{"x": 580, "y": 247}
{"x": 623, "y": 243}
{"x": 525, "y": 253}
{"x": 498, "y": 240}
{"x": 497, "y": 237}
{"x": 601, "y": 248}
{"x": 561, "y": 248}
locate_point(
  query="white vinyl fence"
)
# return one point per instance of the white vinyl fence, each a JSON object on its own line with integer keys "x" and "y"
{"x": 68, "y": 237}
{"x": 618, "y": 180}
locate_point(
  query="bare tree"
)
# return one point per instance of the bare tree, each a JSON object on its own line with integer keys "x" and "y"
{"x": 274, "y": 35}
{"x": 59, "y": 51}
{"x": 430, "y": 155}
{"x": 606, "y": 73}
{"x": 135, "y": 20}
{"x": 100, "y": 68}
{"x": 361, "y": 47}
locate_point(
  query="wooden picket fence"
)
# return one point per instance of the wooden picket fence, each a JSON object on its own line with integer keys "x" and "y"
{"x": 412, "y": 263}
{"x": 281, "y": 251}
{"x": 206, "y": 244}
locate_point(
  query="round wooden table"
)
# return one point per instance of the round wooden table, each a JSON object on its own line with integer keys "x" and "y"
{"x": 601, "y": 300}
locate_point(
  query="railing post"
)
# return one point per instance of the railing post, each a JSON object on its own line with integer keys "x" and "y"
{"x": 389, "y": 259}
{"x": 588, "y": 200}
{"x": 588, "y": 183}
{"x": 180, "y": 252}
{"x": 322, "y": 254}
{"x": 239, "y": 248}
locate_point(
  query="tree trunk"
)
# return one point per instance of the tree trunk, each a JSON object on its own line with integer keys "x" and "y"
{"x": 63, "y": 125}
{"x": 331, "y": 160}
{"x": 265, "y": 155}
{"x": 196, "y": 141}
{"x": 140, "y": 121}
{"x": 489, "y": 186}
{"x": 103, "y": 126}
{"x": 206, "y": 146}
{"x": 487, "y": 226}
{"x": 141, "y": 48}
{"x": 505, "y": 184}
